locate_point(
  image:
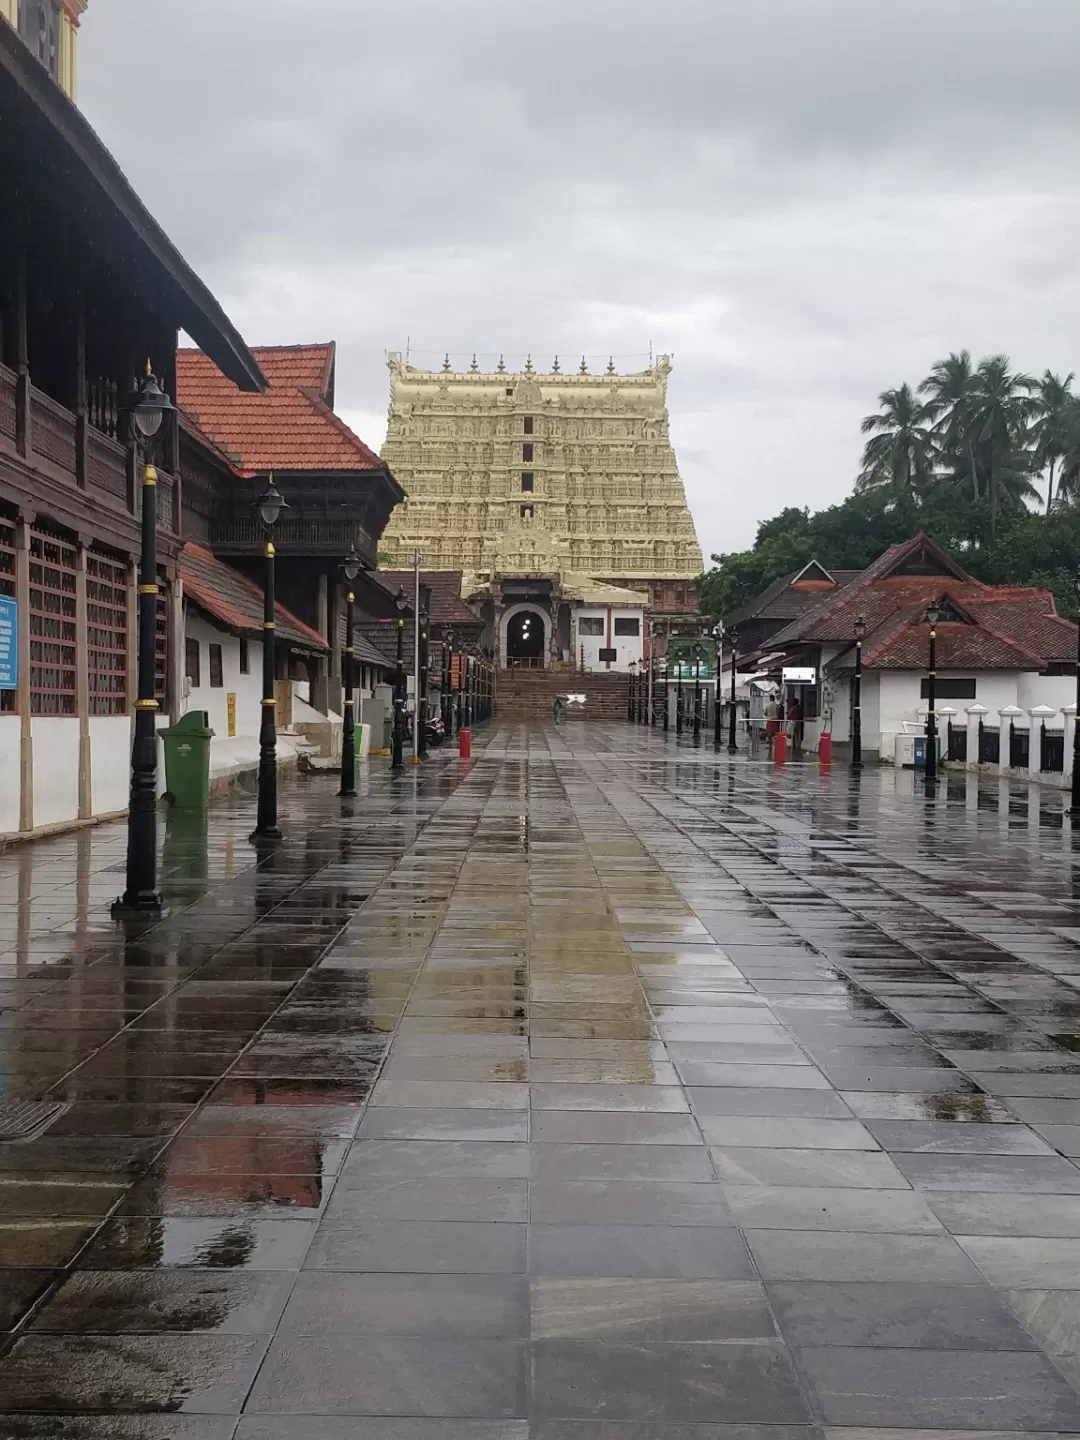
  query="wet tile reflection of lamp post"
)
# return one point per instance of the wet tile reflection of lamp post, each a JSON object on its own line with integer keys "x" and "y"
{"x": 934, "y": 613}
{"x": 149, "y": 407}
{"x": 269, "y": 505}
{"x": 351, "y": 568}
{"x": 856, "y": 696}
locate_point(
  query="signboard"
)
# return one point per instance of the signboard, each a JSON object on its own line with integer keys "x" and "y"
{"x": 690, "y": 656}
{"x": 230, "y": 709}
{"x": 9, "y": 643}
{"x": 799, "y": 675}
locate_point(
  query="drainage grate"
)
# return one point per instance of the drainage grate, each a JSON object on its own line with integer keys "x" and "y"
{"x": 27, "y": 1119}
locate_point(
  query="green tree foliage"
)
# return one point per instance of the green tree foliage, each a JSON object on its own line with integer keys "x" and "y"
{"x": 960, "y": 457}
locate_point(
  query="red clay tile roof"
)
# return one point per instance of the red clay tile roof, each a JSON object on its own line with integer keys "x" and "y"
{"x": 447, "y": 606}
{"x": 1008, "y": 627}
{"x": 290, "y": 427}
{"x": 237, "y": 602}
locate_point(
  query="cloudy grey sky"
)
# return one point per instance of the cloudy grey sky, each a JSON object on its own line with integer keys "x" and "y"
{"x": 805, "y": 201}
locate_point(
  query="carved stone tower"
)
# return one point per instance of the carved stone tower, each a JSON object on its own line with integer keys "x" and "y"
{"x": 561, "y": 474}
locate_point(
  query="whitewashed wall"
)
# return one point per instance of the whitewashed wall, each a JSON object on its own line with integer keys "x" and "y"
{"x": 10, "y": 773}
{"x": 246, "y": 688}
{"x": 901, "y": 699}
{"x": 628, "y": 647}
{"x": 56, "y": 769}
{"x": 110, "y": 763}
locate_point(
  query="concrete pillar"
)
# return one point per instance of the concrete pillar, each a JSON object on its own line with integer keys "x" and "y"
{"x": 1007, "y": 717}
{"x": 975, "y": 714}
{"x": 1038, "y": 714}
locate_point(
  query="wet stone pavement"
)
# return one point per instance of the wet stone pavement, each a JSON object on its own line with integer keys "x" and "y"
{"x": 604, "y": 1089}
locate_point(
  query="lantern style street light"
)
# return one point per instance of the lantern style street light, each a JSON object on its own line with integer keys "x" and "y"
{"x": 269, "y": 504}
{"x": 351, "y": 567}
{"x": 856, "y": 696}
{"x": 148, "y": 409}
{"x": 934, "y": 612}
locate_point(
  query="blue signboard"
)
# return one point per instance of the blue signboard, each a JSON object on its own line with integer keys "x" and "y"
{"x": 9, "y": 643}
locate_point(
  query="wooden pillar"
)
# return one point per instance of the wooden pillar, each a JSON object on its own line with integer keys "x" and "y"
{"x": 177, "y": 649}
{"x": 82, "y": 423}
{"x": 24, "y": 439}
{"x": 82, "y": 683}
{"x": 22, "y": 592}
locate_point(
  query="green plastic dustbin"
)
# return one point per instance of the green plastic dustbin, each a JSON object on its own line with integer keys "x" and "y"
{"x": 187, "y": 761}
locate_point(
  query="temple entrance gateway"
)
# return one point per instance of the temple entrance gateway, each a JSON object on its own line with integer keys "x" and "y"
{"x": 526, "y": 638}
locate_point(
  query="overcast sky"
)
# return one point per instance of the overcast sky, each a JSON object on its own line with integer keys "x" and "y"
{"x": 805, "y": 201}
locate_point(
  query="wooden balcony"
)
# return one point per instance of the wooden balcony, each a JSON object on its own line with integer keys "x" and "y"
{"x": 98, "y": 470}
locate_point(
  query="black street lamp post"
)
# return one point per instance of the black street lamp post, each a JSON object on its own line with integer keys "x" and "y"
{"x": 697, "y": 694}
{"x": 448, "y": 680}
{"x": 732, "y": 742}
{"x": 933, "y": 617}
{"x": 1075, "y": 802}
{"x": 351, "y": 568}
{"x": 269, "y": 505}
{"x": 856, "y": 696}
{"x": 678, "y": 697}
{"x": 397, "y": 761}
{"x": 149, "y": 408}
{"x": 718, "y": 710}
{"x": 662, "y": 667}
{"x": 422, "y": 681}
{"x": 631, "y": 694}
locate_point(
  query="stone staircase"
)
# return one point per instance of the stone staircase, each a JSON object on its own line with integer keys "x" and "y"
{"x": 523, "y": 695}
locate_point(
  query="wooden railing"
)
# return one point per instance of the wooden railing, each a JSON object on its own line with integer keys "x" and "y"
{"x": 54, "y": 441}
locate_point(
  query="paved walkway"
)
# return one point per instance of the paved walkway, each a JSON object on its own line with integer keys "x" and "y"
{"x": 604, "y": 1090}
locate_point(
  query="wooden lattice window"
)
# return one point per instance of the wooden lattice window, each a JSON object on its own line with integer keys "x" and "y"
{"x": 161, "y": 643}
{"x": 8, "y": 698}
{"x": 106, "y": 634}
{"x": 52, "y": 625}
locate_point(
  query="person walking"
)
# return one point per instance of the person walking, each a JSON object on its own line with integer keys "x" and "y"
{"x": 795, "y": 721}
{"x": 557, "y": 709}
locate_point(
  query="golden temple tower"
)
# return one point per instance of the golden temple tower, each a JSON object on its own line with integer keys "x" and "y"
{"x": 49, "y": 27}
{"x": 523, "y": 473}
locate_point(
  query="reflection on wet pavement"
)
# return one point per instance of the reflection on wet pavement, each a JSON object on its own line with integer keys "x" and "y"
{"x": 603, "y": 1089}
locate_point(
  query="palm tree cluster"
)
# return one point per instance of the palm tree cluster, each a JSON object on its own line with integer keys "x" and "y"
{"x": 986, "y": 431}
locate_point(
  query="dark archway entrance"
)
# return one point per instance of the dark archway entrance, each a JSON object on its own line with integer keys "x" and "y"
{"x": 525, "y": 638}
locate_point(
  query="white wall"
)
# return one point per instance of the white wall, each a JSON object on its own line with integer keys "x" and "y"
{"x": 10, "y": 773}
{"x": 56, "y": 769}
{"x": 110, "y": 763}
{"x": 628, "y": 647}
{"x": 900, "y": 699}
{"x": 246, "y": 688}
{"x": 1055, "y": 690}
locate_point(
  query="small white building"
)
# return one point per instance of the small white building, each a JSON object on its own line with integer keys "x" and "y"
{"x": 997, "y": 648}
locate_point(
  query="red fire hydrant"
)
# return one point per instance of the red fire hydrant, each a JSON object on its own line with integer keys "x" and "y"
{"x": 464, "y": 744}
{"x": 780, "y": 748}
{"x": 824, "y": 749}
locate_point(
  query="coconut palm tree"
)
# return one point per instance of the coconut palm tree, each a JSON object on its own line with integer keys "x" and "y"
{"x": 1068, "y": 490}
{"x": 948, "y": 389}
{"x": 1054, "y": 404}
{"x": 899, "y": 456}
{"x": 998, "y": 422}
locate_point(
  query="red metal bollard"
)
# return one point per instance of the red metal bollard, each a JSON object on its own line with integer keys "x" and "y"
{"x": 780, "y": 748}
{"x": 465, "y": 744}
{"x": 824, "y": 749}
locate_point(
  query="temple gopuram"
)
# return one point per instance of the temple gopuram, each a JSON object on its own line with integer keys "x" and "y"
{"x": 557, "y": 496}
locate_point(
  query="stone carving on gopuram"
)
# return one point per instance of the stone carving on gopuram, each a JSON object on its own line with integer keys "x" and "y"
{"x": 561, "y": 473}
